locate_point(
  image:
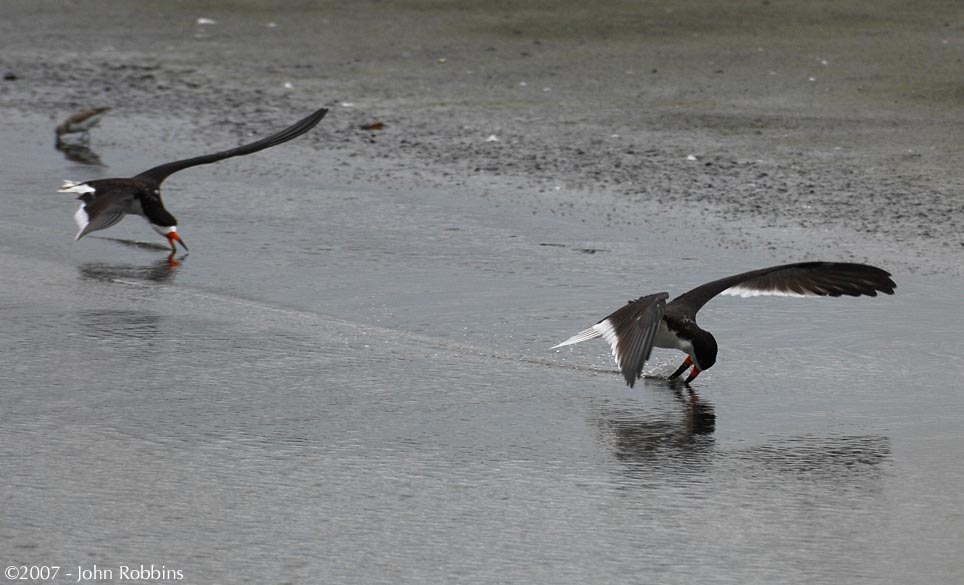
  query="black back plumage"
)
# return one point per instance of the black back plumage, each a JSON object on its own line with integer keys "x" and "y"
{"x": 112, "y": 199}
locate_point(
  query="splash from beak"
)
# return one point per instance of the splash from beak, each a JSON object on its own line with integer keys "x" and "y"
{"x": 174, "y": 236}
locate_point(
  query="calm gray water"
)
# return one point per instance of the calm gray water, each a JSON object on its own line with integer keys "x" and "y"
{"x": 353, "y": 385}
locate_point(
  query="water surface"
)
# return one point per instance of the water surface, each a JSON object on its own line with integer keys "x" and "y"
{"x": 353, "y": 384}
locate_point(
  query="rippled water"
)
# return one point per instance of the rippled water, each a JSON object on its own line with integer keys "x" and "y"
{"x": 354, "y": 385}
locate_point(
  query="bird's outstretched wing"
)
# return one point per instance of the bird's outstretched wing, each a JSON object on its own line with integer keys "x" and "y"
{"x": 101, "y": 212}
{"x": 81, "y": 121}
{"x": 630, "y": 332}
{"x": 805, "y": 279}
{"x": 157, "y": 174}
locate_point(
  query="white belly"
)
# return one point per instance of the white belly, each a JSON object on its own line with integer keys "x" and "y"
{"x": 669, "y": 340}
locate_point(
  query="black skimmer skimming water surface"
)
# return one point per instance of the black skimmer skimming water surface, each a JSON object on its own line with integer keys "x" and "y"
{"x": 76, "y": 129}
{"x": 107, "y": 201}
{"x": 650, "y": 321}
{"x": 73, "y": 136}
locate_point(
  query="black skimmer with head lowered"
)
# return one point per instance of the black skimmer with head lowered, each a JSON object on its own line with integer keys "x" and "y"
{"x": 73, "y": 136}
{"x": 650, "y": 321}
{"x": 107, "y": 201}
{"x": 76, "y": 129}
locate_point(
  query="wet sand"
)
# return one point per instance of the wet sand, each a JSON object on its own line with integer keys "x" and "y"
{"x": 348, "y": 380}
{"x": 800, "y": 118}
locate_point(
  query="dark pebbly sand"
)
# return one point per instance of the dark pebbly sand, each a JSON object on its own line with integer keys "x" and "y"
{"x": 770, "y": 121}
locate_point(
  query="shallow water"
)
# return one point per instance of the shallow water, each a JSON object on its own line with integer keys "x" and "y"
{"x": 347, "y": 384}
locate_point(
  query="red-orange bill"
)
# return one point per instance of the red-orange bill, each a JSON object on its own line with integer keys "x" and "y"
{"x": 174, "y": 236}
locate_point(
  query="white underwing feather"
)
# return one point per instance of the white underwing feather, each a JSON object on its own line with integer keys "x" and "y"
{"x": 602, "y": 329}
{"x": 746, "y": 292}
{"x": 74, "y": 187}
{"x": 82, "y": 220}
{"x": 608, "y": 332}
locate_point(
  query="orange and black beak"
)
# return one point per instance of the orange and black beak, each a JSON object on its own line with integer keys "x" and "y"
{"x": 174, "y": 236}
{"x": 693, "y": 374}
{"x": 686, "y": 364}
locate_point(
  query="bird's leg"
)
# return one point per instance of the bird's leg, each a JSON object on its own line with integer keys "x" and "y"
{"x": 687, "y": 363}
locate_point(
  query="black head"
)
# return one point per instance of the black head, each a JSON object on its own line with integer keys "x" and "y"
{"x": 704, "y": 348}
{"x": 154, "y": 210}
{"x": 160, "y": 219}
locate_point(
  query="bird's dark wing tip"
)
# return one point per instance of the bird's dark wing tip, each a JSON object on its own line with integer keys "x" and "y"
{"x": 318, "y": 115}
{"x": 883, "y": 281}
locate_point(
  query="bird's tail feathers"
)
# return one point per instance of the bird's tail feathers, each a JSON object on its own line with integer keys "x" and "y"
{"x": 591, "y": 333}
{"x": 75, "y": 187}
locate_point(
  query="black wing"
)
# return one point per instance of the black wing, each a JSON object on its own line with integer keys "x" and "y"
{"x": 630, "y": 332}
{"x": 806, "y": 279}
{"x": 634, "y": 329}
{"x": 102, "y": 210}
{"x": 159, "y": 173}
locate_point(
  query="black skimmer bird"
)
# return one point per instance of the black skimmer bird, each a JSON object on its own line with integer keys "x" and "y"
{"x": 107, "y": 201}
{"x": 650, "y": 321}
{"x": 73, "y": 136}
{"x": 76, "y": 129}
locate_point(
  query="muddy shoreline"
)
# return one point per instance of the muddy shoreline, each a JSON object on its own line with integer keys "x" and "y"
{"x": 774, "y": 125}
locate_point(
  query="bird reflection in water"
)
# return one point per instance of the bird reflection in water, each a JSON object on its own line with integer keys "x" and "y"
{"x": 172, "y": 260}
{"x": 158, "y": 271}
{"x": 814, "y": 457}
{"x": 660, "y": 443}
{"x": 681, "y": 434}
{"x": 700, "y": 414}
{"x": 73, "y": 136}
{"x": 80, "y": 154}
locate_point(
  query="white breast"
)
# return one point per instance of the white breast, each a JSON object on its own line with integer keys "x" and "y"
{"x": 669, "y": 340}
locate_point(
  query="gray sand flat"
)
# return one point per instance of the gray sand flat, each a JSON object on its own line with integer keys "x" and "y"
{"x": 818, "y": 115}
